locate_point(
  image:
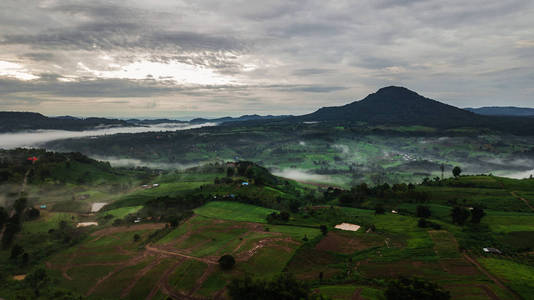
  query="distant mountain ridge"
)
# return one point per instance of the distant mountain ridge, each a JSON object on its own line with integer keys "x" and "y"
{"x": 502, "y": 111}
{"x": 238, "y": 119}
{"x": 19, "y": 121}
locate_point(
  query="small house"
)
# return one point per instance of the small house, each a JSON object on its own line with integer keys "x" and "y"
{"x": 492, "y": 250}
{"x": 155, "y": 185}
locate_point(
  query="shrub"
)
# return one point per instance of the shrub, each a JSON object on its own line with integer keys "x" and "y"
{"x": 414, "y": 288}
{"x": 226, "y": 262}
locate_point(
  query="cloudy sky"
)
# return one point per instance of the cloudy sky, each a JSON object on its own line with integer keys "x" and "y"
{"x": 171, "y": 58}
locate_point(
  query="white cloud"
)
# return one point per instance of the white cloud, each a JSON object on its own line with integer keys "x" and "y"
{"x": 15, "y": 70}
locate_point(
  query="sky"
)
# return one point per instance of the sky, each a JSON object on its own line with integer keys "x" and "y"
{"x": 179, "y": 59}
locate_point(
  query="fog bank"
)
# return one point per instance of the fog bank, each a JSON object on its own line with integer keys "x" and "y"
{"x": 519, "y": 175}
{"x": 302, "y": 175}
{"x": 38, "y": 137}
{"x": 132, "y": 162}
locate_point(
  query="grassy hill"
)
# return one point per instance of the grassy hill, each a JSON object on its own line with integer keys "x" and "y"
{"x": 165, "y": 240}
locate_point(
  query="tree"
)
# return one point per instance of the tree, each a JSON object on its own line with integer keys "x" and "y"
{"x": 25, "y": 258}
{"x": 476, "y": 214}
{"x": 422, "y": 223}
{"x": 294, "y": 206}
{"x": 20, "y": 205}
{"x": 37, "y": 280}
{"x": 226, "y": 262}
{"x": 459, "y": 215}
{"x": 174, "y": 221}
{"x": 379, "y": 209}
{"x": 3, "y": 217}
{"x": 282, "y": 287}
{"x": 284, "y": 216}
{"x": 423, "y": 211}
{"x": 136, "y": 237}
{"x": 32, "y": 213}
{"x": 456, "y": 171}
{"x": 324, "y": 229}
{"x": 117, "y": 222}
{"x": 230, "y": 172}
{"x": 16, "y": 250}
{"x": 414, "y": 288}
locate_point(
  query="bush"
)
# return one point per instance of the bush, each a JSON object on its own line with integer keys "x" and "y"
{"x": 282, "y": 287}
{"x": 414, "y": 288}
{"x": 226, "y": 262}
{"x": 459, "y": 215}
{"x": 117, "y": 222}
{"x": 423, "y": 211}
{"x": 424, "y": 223}
{"x": 379, "y": 209}
{"x": 32, "y": 213}
{"x": 324, "y": 229}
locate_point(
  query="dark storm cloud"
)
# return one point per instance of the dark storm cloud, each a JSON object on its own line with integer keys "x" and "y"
{"x": 108, "y": 36}
{"x": 38, "y": 56}
{"x": 310, "y": 72}
{"x": 83, "y": 88}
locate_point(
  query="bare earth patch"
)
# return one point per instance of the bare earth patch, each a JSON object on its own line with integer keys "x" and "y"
{"x": 348, "y": 227}
{"x": 97, "y": 206}
{"x": 85, "y": 224}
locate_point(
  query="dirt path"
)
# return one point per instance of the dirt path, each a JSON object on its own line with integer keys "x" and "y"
{"x": 165, "y": 252}
{"x": 356, "y": 295}
{"x": 489, "y": 292}
{"x": 164, "y": 278}
{"x": 119, "y": 268}
{"x": 522, "y": 199}
{"x": 490, "y": 276}
{"x": 515, "y": 195}
{"x": 201, "y": 279}
{"x": 25, "y": 181}
{"x": 138, "y": 276}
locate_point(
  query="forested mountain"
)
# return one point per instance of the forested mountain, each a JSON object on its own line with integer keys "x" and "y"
{"x": 395, "y": 105}
{"x": 400, "y": 106}
{"x": 18, "y": 121}
{"x": 503, "y": 111}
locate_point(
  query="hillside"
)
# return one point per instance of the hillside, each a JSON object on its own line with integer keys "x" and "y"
{"x": 167, "y": 241}
{"x": 19, "y": 121}
{"x": 395, "y": 105}
{"x": 503, "y": 111}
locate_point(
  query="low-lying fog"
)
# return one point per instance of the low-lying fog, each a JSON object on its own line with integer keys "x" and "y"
{"x": 303, "y": 176}
{"x": 37, "y": 137}
{"x": 518, "y": 175}
{"x": 132, "y": 162}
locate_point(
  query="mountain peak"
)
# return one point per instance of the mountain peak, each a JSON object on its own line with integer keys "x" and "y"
{"x": 396, "y": 91}
{"x": 395, "y": 105}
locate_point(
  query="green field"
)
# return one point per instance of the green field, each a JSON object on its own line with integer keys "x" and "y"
{"x": 234, "y": 211}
